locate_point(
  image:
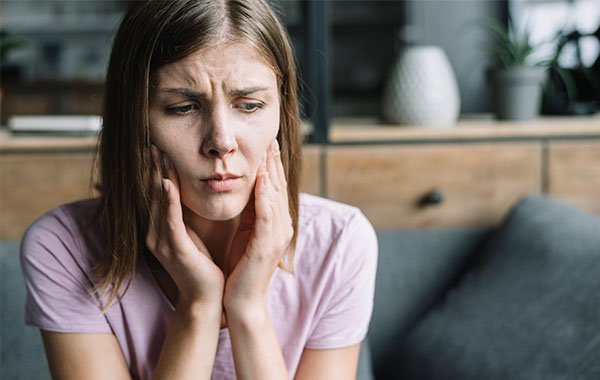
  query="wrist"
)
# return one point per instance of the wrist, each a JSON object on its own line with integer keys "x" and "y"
{"x": 247, "y": 312}
{"x": 201, "y": 297}
{"x": 196, "y": 310}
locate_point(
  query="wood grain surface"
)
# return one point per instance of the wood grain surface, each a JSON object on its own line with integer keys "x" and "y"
{"x": 479, "y": 182}
{"x": 31, "y": 184}
{"x": 574, "y": 173}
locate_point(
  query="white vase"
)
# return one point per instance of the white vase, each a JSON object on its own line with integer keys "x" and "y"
{"x": 422, "y": 89}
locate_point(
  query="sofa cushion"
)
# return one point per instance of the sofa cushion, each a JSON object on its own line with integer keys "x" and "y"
{"x": 415, "y": 268}
{"x": 529, "y": 309}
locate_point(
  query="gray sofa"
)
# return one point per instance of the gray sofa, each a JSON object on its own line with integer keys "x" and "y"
{"x": 518, "y": 301}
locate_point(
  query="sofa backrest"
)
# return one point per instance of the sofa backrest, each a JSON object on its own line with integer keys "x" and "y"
{"x": 22, "y": 351}
{"x": 525, "y": 306}
{"x": 414, "y": 270}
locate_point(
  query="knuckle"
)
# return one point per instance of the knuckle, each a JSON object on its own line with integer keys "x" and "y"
{"x": 172, "y": 223}
{"x": 159, "y": 246}
{"x": 265, "y": 216}
{"x": 151, "y": 242}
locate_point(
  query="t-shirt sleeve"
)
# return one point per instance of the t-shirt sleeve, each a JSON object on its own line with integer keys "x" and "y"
{"x": 56, "y": 271}
{"x": 346, "y": 318}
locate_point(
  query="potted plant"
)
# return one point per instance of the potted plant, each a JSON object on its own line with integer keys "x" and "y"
{"x": 572, "y": 90}
{"x": 516, "y": 80}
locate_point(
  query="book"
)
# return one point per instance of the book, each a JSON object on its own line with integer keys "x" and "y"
{"x": 55, "y": 124}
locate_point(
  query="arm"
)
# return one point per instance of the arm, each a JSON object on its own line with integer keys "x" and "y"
{"x": 340, "y": 363}
{"x": 256, "y": 351}
{"x": 99, "y": 356}
{"x": 84, "y": 356}
{"x": 191, "y": 342}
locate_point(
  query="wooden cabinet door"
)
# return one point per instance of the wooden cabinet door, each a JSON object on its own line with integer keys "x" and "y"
{"x": 478, "y": 182}
{"x": 311, "y": 168}
{"x": 31, "y": 184}
{"x": 574, "y": 173}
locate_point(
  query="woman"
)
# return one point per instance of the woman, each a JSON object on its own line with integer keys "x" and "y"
{"x": 200, "y": 258}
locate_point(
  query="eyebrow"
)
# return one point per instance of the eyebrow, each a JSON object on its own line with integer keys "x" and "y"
{"x": 248, "y": 91}
{"x": 189, "y": 93}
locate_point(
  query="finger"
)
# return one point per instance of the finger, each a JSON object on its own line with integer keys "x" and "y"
{"x": 272, "y": 156}
{"x": 262, "y": 199}
{"x": 262, "y": 168}
{"x": 248, "y": 215}
{"x": 280, "y": 171}
{"x": 174, "y": 227}
{"x": 155, "y": 198}
{"x": 170, "y": 171}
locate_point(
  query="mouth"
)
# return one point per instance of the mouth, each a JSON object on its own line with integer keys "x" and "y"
{"x": 222, "y": 182}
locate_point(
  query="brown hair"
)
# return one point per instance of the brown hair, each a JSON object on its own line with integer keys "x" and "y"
{"x": 152, "y": 34}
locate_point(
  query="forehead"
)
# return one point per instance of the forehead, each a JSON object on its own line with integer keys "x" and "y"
{"x": 232, "y": 64}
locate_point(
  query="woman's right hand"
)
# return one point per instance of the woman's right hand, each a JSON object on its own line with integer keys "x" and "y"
{"x": 178, "y": 249}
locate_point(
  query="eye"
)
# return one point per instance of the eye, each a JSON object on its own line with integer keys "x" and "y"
{"x": 182, "y": 110}
{"x": 250, "y": 107}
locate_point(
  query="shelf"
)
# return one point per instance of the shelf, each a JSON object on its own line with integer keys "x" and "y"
{"x": 367, "y": 130}
{"x": 10, "y": 143}
{"x": 363, "y": 130}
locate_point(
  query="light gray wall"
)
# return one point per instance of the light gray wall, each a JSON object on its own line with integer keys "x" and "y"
{"x": 452, "y": 24}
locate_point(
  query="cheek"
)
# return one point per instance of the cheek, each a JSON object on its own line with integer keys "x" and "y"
{"x": 272, "y": 126}
{"x": 267, "y": 136}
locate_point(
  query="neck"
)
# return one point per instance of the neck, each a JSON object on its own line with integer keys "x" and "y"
{"x": 216, "y": 235}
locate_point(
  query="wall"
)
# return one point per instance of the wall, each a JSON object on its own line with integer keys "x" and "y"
{"x": 452, "y": 24}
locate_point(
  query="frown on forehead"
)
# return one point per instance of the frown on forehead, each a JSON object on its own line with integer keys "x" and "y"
{"x": 228, "y": 67}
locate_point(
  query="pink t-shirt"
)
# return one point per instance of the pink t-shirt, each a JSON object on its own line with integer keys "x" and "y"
{"x": 327, "y": 303}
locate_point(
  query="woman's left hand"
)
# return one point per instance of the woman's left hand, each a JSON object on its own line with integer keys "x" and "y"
{"x": 262, "y": 239}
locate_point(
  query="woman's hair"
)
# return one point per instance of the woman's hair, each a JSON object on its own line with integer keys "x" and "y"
{"x": 152, "y": 34}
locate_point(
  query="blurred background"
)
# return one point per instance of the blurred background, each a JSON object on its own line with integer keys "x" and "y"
{"x": 399, "y": 93}
{"x": 55, "y": 52}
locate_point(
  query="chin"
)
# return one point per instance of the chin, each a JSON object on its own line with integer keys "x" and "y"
{"x": 218, "y": 208}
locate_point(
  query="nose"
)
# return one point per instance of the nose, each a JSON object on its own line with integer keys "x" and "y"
{"x": 219, "y": 138}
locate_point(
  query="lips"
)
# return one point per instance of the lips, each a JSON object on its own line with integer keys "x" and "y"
{"x": 222, "y": 182}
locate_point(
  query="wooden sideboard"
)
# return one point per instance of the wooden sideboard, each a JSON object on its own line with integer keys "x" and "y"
{"x": 401, "y": 177}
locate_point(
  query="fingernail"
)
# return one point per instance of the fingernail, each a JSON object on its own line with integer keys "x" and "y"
{"x": 165, "y": 185}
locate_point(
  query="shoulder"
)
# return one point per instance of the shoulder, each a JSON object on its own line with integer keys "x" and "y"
{"x": 65, "y": 228}
{"x": 57, "y": 259}
{"x": 71, "y": 218}
{"x": 333, "y": 231}
{"x": 328, "y": 218}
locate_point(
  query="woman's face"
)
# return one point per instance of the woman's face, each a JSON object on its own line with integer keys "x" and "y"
{"x": 214, "y": 114}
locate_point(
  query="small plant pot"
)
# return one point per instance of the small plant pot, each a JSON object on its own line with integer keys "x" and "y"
{"x": 517, "y": 92}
